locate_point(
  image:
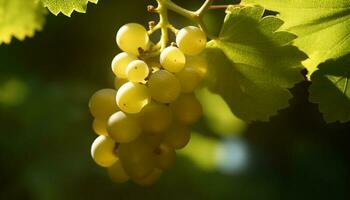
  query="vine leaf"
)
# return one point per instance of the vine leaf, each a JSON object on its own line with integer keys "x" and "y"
{"x": 67, "y": 6}
{"x": 20, "y": 19}
{"x": 330, "y": 88}
{"x": 251, "y": 65}
{"x": 322, "y": 26}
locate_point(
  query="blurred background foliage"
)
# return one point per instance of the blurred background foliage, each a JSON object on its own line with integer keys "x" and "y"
{"x": 45, "y": 84}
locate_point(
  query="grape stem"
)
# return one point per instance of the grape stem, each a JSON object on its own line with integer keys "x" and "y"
{"x": 164, "y": 24}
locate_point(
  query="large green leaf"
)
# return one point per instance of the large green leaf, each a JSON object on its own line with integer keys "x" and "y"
{"x": 251, "y": 65}
{"x": 67, "y": 6}
{"x": 322, "y": 26}
{"x": 20, "y": 19}
{"x": 331, "y": 89}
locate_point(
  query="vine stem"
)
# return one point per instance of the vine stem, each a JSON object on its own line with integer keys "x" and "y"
{"x": 164, "y": 25}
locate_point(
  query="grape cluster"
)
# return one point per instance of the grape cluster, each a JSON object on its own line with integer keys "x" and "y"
{"x": 145, "y": 119}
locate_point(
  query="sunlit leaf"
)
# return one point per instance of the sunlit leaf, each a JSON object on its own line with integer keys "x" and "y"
{"x": 322, "y": 26}
{"x": 20, "y": 19}
{"x": 67, "y": 6}
{"x": 251, "y": 65}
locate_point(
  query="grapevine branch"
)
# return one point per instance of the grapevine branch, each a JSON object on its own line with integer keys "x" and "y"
{"x": 164, "y": 24}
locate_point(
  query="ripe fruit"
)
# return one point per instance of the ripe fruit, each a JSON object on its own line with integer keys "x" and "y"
{"x": 137, "y": 71}
{"x": 189, "y": 79}
{"x": 172, "y": 59}
{"x": 100, "y": 126}
{"x": 191, "y": 40}
{"x": 155, "y": 118}
{"x": 187, "y": 109}
{"x": 131, "y": 37}
{"x": 177, "y": 136}
{"x": 164, "y": 86}
{"x": 102, "y": 104}
{"x": 102, "y": 151}
{"x": 121, "y": 62}
{"x": 117, "y": 173}
{"x": 132, "y": 97}
{"x": 123, "y": 128}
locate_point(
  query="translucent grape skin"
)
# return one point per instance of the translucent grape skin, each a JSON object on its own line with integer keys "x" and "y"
{"x": 165, "y": 157}
{"x": 187, "y": 109}
{"x": 100, "y": 126}
{"x": 191, "y": 40}
{"x": 117, "y": 173}
{"x": 172, "y": 59}
{"x": 132, "y": 97}
{"x": 123, "y": 128}
{"x": 198, "y": 63}
{"x": 102, "y": 104}
{"x": 189, "y": 79}
{"x": 131, "y": 37}
{"x": 177, "y": 136}
{"x": 137, "y": 158}
{"x": 155, "y": 118}
{"x": 121, "y": 62}
{"x": 102, "y": 151}
{"x": 137, "y": 71}
{"x": 164, "y": 86}
{"x": 150, "y": 179}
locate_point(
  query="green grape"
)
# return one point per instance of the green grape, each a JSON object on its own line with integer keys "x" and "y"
{"x": 118, "y": 82}
{"x": 131, "y": 37}
{"x": 177, "y": 136}
{"x": 102, "y": 104}
{"x": 117, "y": 173}
{"x": 155, "y": 118}
{"x": 172, "y": 59}
{"x": 137, "y": 158}
{"x": 191, "y": 40}
{"x": 123, "y": 128}
{"x": 120, "y": 63}
{"x": 165, "y": 157}
{"x": 198, "y": 63}
{"x": 154, "y": 140}
{"x": 132, "y": 97}
{"x": 186, "y": 109}
{"x": 100, "y": 126}
{"x": 149, "y": 179}
{"x": 189, "y": 79}
{"x": 164, "y": 86}
{"x": 102, "y": 151}
{"x": 137, "y": 71}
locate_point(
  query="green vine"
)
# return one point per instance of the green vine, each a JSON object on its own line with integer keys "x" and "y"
{"x": 164, "y": 24}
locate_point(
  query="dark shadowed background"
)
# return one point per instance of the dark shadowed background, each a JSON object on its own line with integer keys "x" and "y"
{"x": 45, "y": 137}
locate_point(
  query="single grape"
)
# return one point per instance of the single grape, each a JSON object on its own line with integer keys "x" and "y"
{"x": 132, "y": 97}
{"x": 137, "y": 71}
{"x": 120, "y": 63}
{"x": 198, "y": 63}
{"x": 172, "y": 59}
{"x": 177, "y": 136}
{"x": 102, "y": 104}
{"x": 123, "y": 128}
{"x": 100, "y": 126}
{"x": 118, "y": 82}
{"x": 117, "y": 173}
{"x": 137, "y": 157}
{"x": 102, "y": 151}
{"x": 131, "y": 37}
{"x": 186, "y": 109}
{"x": 191, "y": 40}
{"x": 165, "y": 157}
{"x": 164, "y": 86}
{"x": 155, "y": 118}
{"x": 149, "y": 179}
{"x": 189, "y": 79}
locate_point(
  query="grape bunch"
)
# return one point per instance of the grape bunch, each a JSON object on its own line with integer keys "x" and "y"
{"x": 145, "y": 119}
